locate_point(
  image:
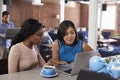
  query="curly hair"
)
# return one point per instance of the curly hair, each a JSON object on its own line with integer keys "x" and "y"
{"x": 29, "y": 27}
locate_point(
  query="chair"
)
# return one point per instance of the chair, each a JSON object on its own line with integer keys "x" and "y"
{"x": 45, "y": 51}
{"x": 90, "y": 75}
{"x": 4, "y": 62}
{"x": 106, "y": 53}
{"x": 106, "y": 35}
{"x": 83, "y": 35}
{"x": 52, "y": 35}
{"x": 3, "y": 66}
{"x": 46, "y": 55}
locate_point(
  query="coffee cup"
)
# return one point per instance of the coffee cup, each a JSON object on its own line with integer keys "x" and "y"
{"x": 48, "y": 70}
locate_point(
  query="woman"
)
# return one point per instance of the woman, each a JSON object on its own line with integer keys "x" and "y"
{"x": 24, "y": 54}
{"x": 67, "y": 44}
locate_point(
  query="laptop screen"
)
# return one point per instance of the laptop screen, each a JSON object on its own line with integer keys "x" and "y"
{"x": 81, "y": 62}
{"x": 11, "y": 33}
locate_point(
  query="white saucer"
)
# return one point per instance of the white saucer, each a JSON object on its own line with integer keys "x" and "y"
{"x": 49, "y": 76}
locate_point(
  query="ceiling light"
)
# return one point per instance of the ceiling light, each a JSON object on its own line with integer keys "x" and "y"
{"x": 37, "y": 2}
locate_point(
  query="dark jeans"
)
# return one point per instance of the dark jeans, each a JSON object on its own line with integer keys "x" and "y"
{"x": 4, "y": 53}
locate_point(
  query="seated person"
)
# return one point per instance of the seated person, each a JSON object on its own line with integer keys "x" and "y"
{"x": 24, "y": 54}
{"x": 100, "y": 34}
{"x": 67, "y": 44}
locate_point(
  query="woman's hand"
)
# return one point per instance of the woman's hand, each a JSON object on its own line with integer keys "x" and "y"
{"x": 56, "y": 62}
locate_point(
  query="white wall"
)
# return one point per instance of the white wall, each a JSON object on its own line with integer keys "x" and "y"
{"x": 92, "y": 36}
{"x": 2, "y": 8}
{"x": 109, "y": 17}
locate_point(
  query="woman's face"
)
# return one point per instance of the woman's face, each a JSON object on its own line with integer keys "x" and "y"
{"x": 37, "y": 37}
{"x": 69, "y": 36}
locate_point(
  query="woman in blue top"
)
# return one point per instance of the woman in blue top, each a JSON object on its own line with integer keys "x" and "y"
{"x": 67, "y": 44}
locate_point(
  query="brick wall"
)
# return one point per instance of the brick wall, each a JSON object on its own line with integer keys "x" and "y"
{"x": 84, "y": 15}
{"x": 46, "y": 14}
{"x": 21, "y": 10}
{"x": 73, "y": 13}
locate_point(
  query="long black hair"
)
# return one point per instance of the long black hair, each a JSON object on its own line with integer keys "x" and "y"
{"x": 29, "y": 27}
{"x": 63, "y": 28}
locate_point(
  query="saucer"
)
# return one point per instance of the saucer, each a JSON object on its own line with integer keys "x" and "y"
{"x": 49, "y": 76}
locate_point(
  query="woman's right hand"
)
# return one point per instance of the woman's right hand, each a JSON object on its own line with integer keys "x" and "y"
{"x": 57, "y": 62}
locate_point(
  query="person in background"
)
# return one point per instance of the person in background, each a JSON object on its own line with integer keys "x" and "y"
{"x": 24, "y": 53}
{"x": 67, "y": 44}
{"x": 45, "y": 45}
{"x": 100, "y": 37}
{"x": 4, "y": 25}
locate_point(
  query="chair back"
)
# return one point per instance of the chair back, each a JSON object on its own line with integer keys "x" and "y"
{"x": 90, "y": 75}
{"x": 52, "y": 35}
{"x": 106, "y": 35}
{"x": 83, "y": 35}
{"x": 3, "y": 66}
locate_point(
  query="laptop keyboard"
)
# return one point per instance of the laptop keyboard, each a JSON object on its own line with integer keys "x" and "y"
{"x": 68, "y": 71}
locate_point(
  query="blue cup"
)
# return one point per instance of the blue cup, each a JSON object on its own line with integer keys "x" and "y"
{"x": 48, "y": 70}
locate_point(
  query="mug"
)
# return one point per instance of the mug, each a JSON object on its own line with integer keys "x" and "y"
{"x": 48, "y": 70}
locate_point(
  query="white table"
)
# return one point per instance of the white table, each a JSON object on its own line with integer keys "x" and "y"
{"x": 34, "y": 75}
{"x": 106, "y": 41}
{"x": 115, "y": 37}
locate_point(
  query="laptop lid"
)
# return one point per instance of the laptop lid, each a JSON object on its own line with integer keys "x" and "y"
{"x": 11, "y": 33}
{"x": 81, "y": 62}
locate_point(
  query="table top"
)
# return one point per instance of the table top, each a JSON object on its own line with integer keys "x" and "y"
{"x": 107, "y": 40}
{"x": 34, "y": 75}
{"x": 115, "y": 37}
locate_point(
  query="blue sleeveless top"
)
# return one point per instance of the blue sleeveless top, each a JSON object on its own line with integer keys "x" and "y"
{"x": 67, "y": 53}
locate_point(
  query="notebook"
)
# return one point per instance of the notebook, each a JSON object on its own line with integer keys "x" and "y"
{"x": 11, "y": 33}
{"x": 81, "y": 62}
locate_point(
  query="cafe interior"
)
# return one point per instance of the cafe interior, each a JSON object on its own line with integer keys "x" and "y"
{"x": 92, "y": 18}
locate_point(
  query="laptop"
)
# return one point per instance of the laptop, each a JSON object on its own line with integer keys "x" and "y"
{"x": 12, "y": 32}
{"x": 81, "y": 62}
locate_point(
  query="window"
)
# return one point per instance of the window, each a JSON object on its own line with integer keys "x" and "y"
{"x": 108, "y": 18}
